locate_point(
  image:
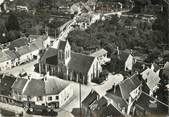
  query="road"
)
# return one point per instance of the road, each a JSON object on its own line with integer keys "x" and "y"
{"x": 85, "y": 90}
{"x": 26, "y": 67}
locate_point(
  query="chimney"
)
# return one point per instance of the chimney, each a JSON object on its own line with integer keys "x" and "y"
{"x": 98, "y": 97}
{"x": 118, "y": 52}
{"x": 114, "y": 88}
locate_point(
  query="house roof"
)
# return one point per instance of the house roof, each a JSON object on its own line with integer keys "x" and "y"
{"x": 152, "y": 79}
{"x": 39, "y": 87}
{"x": 128, "y": 85}
{"x": 4, "y": 57}
{"x": 77, "y": 112}
{"x": 90, "y": 98}
{"x": 111, "y": 111}
{"x": 19, "y": 84}
{"x": 98, "y": 53}
{"x": 12, "y": 54}
{"x": 53, "y": 86}
{"x": 38, "y": 37}
{"x": 117, "y": 101}
{"x": 62, "y": 45}
{"x": 26, "y": 49}
{"x": 23, "y": 50}
{"x": 35, "y": 87}
{"x": 80, "y": 62}
{"x": 144, "y": 102}
{"x": 38, "y": 40}
{"x": 6, "y": 83}
{"x": 32, "y": 47}
{"x": 50, "y": 52}
{"x": 105, "y": 107}
{"x": 18, "y": 42}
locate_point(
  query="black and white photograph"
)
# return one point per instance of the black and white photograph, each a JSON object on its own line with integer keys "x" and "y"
{"x": 84, "y": 58}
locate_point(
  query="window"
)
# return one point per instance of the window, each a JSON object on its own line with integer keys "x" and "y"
{"x": 39, "y": 98}
{"x": 57, "y": 97}
{"x": 50, "y": 98}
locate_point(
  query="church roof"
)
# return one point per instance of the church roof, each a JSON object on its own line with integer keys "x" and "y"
{"x": 49, "y": 53}
{"x": 80, "y": 62}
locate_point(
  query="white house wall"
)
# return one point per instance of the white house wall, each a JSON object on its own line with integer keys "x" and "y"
{"x": 68, "y": 91}
{"x": 5, "y": 66}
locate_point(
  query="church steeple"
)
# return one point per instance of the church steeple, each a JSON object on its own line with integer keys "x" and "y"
{"x": 64, "y": 52}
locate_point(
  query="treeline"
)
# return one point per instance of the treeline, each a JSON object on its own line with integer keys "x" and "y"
{"x": 112, "y": 33}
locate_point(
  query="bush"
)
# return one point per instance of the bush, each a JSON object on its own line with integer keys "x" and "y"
{"x": 102, "y": 77}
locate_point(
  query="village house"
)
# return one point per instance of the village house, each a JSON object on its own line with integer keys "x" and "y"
{"x": 129, "y": 90}
{"x": 64, "y": 63}
{"x": 22, "y": 50}
{"x": 101, "y": 55}
{"x": 103, "y": 106}
{"x": 8, "y": 59}
{"x": 26, "y": 53}
{"x": 48, "y": 91}
{"x": 6, "y": 81}
{"x": 151, "y": 81}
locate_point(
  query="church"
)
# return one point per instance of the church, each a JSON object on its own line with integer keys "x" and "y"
{"x": 60, "y": 61}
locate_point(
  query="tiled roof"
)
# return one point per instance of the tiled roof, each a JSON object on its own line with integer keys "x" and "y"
{"x": 80, "y": 62}
{"x": 6, "y": 83}
{"x": 128, "y": 85}
{"x": 38, "y": 40}
{"x": 19, "y": 84}
{"x": 18, "y": 42}
{"x": 38, "y": 37}
{"x": 33, "y": 47}
{"x": 117, "y": 100}
{"x": 99, "y": 53}
{"x": 111, "y": 111}
{"x": 151, "y": 77}
{"x": 77, "y": 112}
{"x": 12, "y": 54}
{"x": 90, "y": 98}
{"x": 39, "y": 87}
{"x": 144, "y": 102}
{"x": 53, "y": 86}
{"x": 4, "y": 57}
{"x": 35, "y": 87}
{"x": 50, "y": 52}
{"x": 23, "y": 50}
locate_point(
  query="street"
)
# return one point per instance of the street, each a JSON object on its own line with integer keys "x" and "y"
{"x": 28, "y": 67}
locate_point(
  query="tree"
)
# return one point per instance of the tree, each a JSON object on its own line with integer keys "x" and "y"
{"x": 12, "y": 23}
